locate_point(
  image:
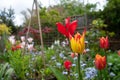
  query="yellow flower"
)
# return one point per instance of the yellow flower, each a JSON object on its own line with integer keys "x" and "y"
{"x": 4, "y": 29}
{"x": 78, "y": 43}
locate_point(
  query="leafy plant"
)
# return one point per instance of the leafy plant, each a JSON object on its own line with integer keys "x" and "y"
{"x": 6, "y": 71}
{"x": 58, "y": 74}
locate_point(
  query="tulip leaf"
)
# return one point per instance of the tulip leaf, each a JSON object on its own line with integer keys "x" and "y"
{"x": 58, "y": 74}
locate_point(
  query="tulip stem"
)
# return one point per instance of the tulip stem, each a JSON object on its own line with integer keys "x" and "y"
{"x": 100, "y": 74}
{"x": 79, "y": 69}
{"x": 106, "y": 70}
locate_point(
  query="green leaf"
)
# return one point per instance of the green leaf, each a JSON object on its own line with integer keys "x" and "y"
{"x": 3, "y": 69}
{"x": 58, "y": 74}
{"x": 117, "y": 77}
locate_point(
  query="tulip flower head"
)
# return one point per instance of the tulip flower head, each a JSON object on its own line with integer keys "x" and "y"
{"x": 30, "y": 40}
{"x": 23, "y": 44}
{"x": 69, "y": 27}
{"x": 67, "y": 64}
{"x": 100, "y": 62}
{"x": 30, "y": 47}
{"x": 12, "y": 40}
{"x": 78, "y": 43}
{"x": 104, "y": 43}
{"x": 16, "y": 47}
{"x": 22, "y": 38}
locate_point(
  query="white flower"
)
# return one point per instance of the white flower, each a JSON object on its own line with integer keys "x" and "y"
{"x": 33, "y": 70}
{"x": 22, "y": 38}
{"x": 112, "y": 74}
{"x": 64, "y": 57}
{"x": 30, "y": 46}
{"x": 11, "y": 37}
{"x": 63, "y": 44}
{"x": 75, "y": 58}
{"x": 27, "y": 74}
{"x": 87, "y": 50}
{"x": 110, "y": 64}
{"x": 33, "y": 59}
{"x": 58, "y": 64}
{"x": 30, "y": 40}
{"x": 53, "y": 57}
{"x": 57, "y": 42}
{"x": 22, "y": 44}
{"x": 73, "y": 64}
{"x": 12, "y": 40}
{"x": 86, "y": 42}
{"x": 52, "y": 46}
{"x": 83, "y": 65}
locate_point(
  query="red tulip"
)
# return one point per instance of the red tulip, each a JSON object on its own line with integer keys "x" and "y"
{"x": 100, "y": 62}
{"x": 16, "y": 47}
{"x": 104, "y": 43}
{"x": 69, "y": 27}
{"x": 67, "y": 64}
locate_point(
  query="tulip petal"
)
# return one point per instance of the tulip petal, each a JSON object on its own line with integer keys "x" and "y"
{"x": 72, "y": 27}
{"x": 62, "y": 29}
{"x": 67, "y": 22}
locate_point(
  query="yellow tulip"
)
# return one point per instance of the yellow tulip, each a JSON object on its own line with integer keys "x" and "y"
{"x": 78, "y": 43}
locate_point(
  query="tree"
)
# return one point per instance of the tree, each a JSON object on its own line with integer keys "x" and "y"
{"x": 111, "y": 15}
{"x": 7, "y": 17}
{"x": 76, "y": 7}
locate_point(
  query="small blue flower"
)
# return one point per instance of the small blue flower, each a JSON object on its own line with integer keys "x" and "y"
{"x": 61, "y": 55}
{"x": 64, "y": 72}
{"x": 90, "y": 73}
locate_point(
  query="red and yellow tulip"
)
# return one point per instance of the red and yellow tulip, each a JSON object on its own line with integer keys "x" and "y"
{"x": 100, "y": 62}
{"x": 78, "y": 43}
{"x": 104, "y": 43}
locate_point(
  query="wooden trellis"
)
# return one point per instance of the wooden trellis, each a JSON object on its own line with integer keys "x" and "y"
{"x": 35, "y": 3}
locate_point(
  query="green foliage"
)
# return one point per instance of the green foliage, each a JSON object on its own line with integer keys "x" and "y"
{"x": 111, "y": 15}
{"x": 95, "y": 33}
{"x": 113, "y": 62}
{"x": 49, "y": 17}
{"x": 5, "y": 72}
{"x": 19, "y": 63}
{"x": 3, "y": 42}
{"x": 75, "y": 7}
{"x": 58, "y": 74}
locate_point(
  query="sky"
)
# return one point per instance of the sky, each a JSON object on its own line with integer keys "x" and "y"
{"x": 20, "y": 5}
